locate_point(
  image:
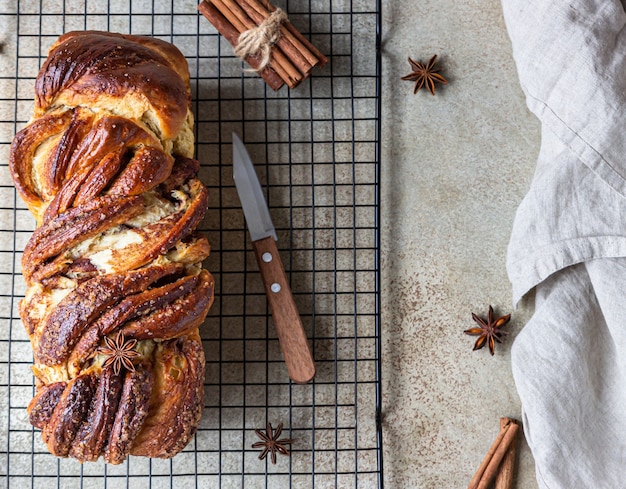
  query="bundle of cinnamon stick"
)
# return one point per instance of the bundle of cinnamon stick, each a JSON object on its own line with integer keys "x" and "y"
{"x": 499, "y": 463}
{"x": 292, "y": 55}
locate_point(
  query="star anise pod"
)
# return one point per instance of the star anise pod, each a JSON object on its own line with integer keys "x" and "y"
{"x": 270, "y": 442}
{"x": 119, "y": 353}
{"x": 425, "y": 75}
{"x": 488, "y": 332}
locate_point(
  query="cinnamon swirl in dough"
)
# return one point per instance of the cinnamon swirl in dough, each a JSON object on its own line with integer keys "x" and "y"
{"x": 115, "y": 285}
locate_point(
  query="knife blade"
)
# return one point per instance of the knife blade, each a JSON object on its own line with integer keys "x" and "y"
{"x": 289, "y": 329}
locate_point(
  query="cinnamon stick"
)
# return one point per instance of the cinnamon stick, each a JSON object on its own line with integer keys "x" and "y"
{"x": 303, "y": 58}
{"x": 232, "y": 18}
{"x": 506, "y": 474}
{"x": 287, "y": 71}
{"x": 489, "y": 467}
{"x": 292, "y": 56}
{"x": 240, "y": 26}
{"x": 302, "y": 40}
{"x": 226, "y": 29}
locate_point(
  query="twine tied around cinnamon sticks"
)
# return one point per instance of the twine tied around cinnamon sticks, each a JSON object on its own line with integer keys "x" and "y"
{"x": 259, "y": 40}
{"x": 285, "y": 55}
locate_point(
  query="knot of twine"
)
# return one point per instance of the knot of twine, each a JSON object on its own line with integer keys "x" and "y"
{"x": 259, "y": 40}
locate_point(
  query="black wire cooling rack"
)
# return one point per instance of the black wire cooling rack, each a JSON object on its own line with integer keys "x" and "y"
{"x": 317, "y": 152}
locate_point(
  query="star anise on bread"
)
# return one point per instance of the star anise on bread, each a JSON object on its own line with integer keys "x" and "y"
{"x": 119, "y": 353}
{"x": 488, "y": 331}
{"x": 425, "y": 75}
{"x": 270, "y": 442}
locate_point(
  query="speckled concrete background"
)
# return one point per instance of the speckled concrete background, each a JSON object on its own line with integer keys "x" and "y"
{"x": 455, "y": 167}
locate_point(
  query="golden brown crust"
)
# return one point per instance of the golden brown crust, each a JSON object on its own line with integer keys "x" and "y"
{"x": 178, "y": 314}
{"x": 95, "y": 69}
{"x": 93, "y": 434}
{"x": 69, "y": 413}
{"x": 23, "y": 148}
{"x": 96, "y": 159}
{"x": 105, "y": 167}
{"x": 45, "y": 254}
{"x": 42, "y": 405}
{"x": 177, "y": 400}
{"x": 133, "y": 410}
{"x": 88, "y": 304}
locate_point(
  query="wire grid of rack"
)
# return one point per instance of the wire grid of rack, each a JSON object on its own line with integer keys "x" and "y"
{"x": 316, "y": 149}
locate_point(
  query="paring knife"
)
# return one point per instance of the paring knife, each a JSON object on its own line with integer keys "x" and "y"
{"x": 293, "y": 340}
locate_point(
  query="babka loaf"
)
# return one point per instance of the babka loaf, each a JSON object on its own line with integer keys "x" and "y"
{"x": 116, "y": 291}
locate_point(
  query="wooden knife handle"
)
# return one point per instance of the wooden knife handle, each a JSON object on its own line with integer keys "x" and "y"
{"x": 293, "y": 340}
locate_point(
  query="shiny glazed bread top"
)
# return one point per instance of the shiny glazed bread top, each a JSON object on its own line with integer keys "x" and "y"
{"x": 115, "y": 285}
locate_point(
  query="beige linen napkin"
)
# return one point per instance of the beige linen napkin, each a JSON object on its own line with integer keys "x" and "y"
{"x": 569, "y": 241}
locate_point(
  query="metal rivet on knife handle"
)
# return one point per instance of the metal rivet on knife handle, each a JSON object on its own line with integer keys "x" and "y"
{"x": 289, "y": 329}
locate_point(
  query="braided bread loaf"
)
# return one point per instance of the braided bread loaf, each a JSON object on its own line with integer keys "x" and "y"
{"x": 115, "y": 288}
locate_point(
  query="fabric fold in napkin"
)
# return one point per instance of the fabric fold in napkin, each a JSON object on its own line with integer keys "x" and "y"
{"x": 569, "y": 241}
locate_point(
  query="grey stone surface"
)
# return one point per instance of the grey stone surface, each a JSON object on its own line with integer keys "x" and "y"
{"x": 455, "y": 167}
